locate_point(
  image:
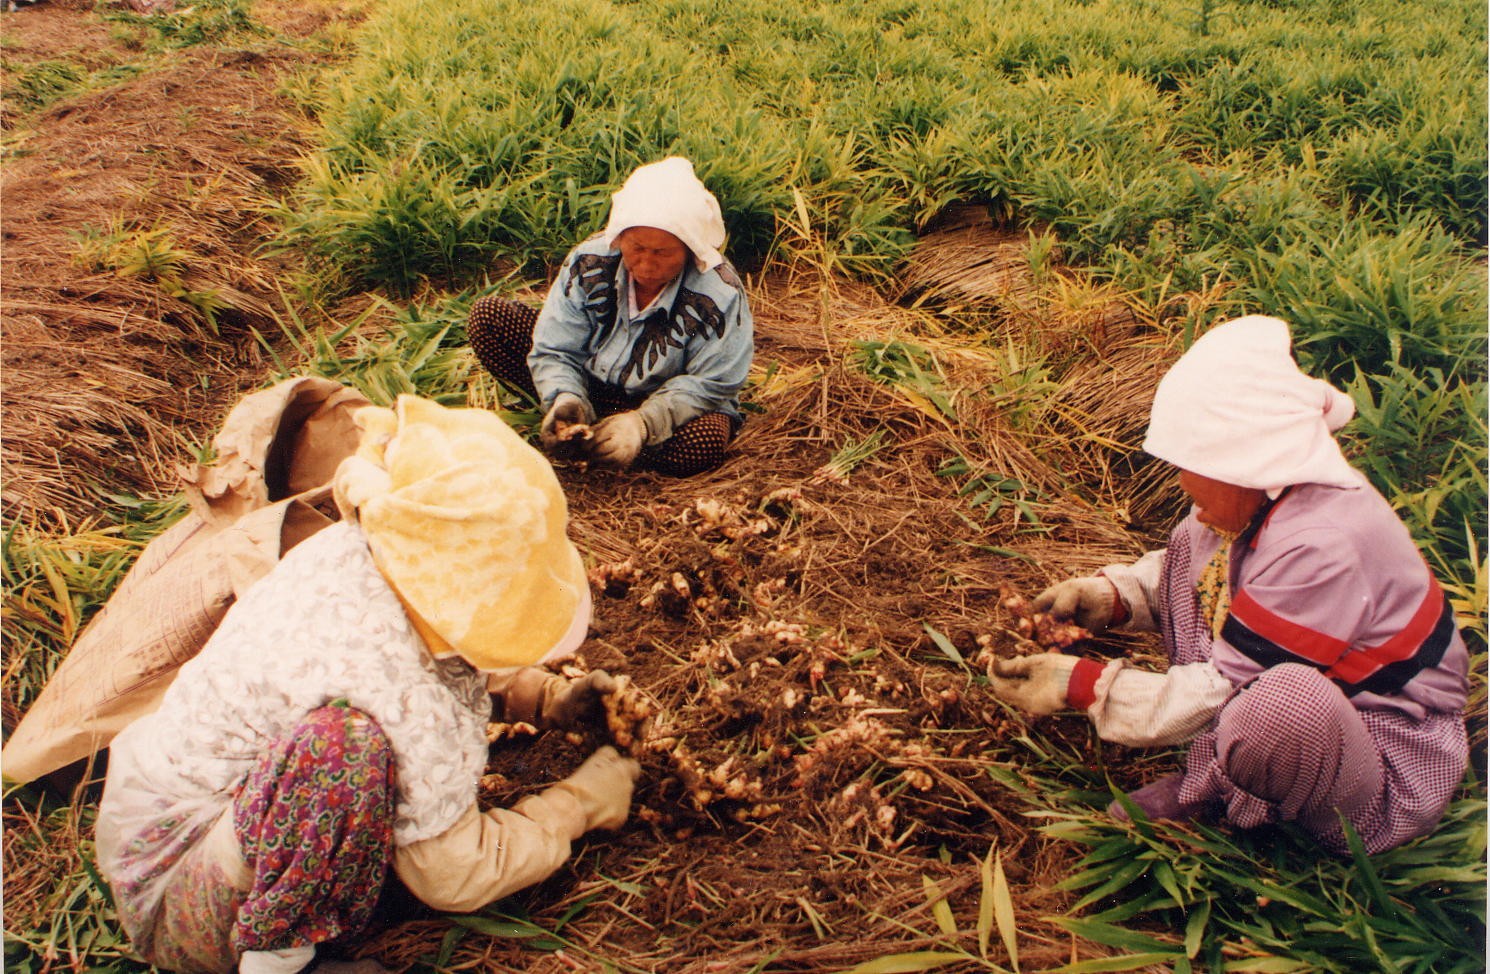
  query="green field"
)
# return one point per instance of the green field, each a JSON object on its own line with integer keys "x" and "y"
{"x": 1323, "y": 162}
{"x": 1313, "y": 161}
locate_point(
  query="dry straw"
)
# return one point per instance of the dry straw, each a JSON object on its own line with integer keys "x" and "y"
{"x": 111, "y": 363}
{"x": 782, "y": 623}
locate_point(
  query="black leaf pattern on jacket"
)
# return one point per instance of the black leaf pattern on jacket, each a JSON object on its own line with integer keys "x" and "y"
{"x": 597, "y": 279}
{"x": 692, "y": 314}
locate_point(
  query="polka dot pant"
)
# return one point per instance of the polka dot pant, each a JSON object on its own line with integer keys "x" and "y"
{"x": 501, "y": 333}
{"x": 694, "y": 447}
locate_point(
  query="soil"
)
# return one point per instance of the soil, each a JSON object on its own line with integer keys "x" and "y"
{"x": 813, "y": 752}
{"x": 809, "y": 639}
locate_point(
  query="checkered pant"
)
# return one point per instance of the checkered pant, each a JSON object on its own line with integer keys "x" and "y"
{"x": 1289, "y": 745}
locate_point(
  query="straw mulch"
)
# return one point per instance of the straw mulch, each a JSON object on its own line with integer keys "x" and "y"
{"x": 107, "y": 375}
{"x": 815, "y": 752}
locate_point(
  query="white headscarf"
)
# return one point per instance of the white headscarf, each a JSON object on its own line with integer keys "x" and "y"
{"x": 1236, "y": 408}
{"x": 668, "y": 196}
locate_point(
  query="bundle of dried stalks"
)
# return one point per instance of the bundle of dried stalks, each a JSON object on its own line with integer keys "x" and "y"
{"x": 968, "y": 259}
{"x": 970, "y": 263}
{"x": 1104, "y": 403}
{"x": 1111, "y": 354}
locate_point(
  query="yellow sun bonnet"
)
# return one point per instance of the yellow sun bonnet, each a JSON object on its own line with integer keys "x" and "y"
{"x": 468, "y": 524}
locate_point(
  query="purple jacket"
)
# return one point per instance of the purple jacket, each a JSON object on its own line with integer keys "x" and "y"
{"x": 1330, "y": 577}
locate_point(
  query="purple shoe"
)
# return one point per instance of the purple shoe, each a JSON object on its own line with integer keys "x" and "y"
{"x": 1160, "y": 800}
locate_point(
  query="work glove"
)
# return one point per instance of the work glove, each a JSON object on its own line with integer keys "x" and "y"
{"x": 1034, "y": 684}
{"x": 618, "y": 439}
{"x": 603, "y": 785}
{"x": 1089, "y": 602}
{"x": 567, "y": 410}
{"x": 570, "y": 703}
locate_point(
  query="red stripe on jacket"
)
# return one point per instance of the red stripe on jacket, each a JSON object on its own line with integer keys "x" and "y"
{"x": 1310, "y": 644}
{"x": 1328, "y": 651}
{"x": 1357, "y": 666}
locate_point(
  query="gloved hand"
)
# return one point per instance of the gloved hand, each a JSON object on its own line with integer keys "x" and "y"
{"x": 567, "y": 410}
{"x": 603, "y": 787}
{"x": 1035, "y": 684}
{"x": 571, "y": 703}
{"x": 618, "y": 439}
{"x": 1089, "y": 602}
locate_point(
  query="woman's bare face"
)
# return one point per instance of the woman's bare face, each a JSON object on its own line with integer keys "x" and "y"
{"x": 652, "y": 257}
{"x": 1221, "y": 505}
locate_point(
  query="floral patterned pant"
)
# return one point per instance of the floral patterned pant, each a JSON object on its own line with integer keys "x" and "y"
{"x": 314, "y": 822}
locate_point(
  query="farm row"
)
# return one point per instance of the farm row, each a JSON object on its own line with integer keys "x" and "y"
{"x": 1323, "y": 163}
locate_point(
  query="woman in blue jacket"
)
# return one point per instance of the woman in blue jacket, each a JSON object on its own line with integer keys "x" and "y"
{"x": 645, "y": 339}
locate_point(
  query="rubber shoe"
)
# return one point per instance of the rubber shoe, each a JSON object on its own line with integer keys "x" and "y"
{"x": 1159, "y": 800}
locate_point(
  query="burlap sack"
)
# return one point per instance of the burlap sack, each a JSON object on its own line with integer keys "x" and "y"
{"x": 268, "y": 489}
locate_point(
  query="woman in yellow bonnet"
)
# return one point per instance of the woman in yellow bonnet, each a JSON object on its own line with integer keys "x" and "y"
{"x": 334, "y": 727}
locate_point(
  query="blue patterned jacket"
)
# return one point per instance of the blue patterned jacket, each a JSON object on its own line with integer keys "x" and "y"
{"x": 688, "y": 356}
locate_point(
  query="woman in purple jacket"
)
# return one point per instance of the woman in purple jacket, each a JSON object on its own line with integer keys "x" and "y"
{"x": 1315, "y": 667}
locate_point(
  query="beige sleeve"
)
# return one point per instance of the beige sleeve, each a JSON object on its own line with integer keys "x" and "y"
{"x": 486, "y": 856}
{"x": 1138, "y": 587}
{"x": 1139, "y": 708}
